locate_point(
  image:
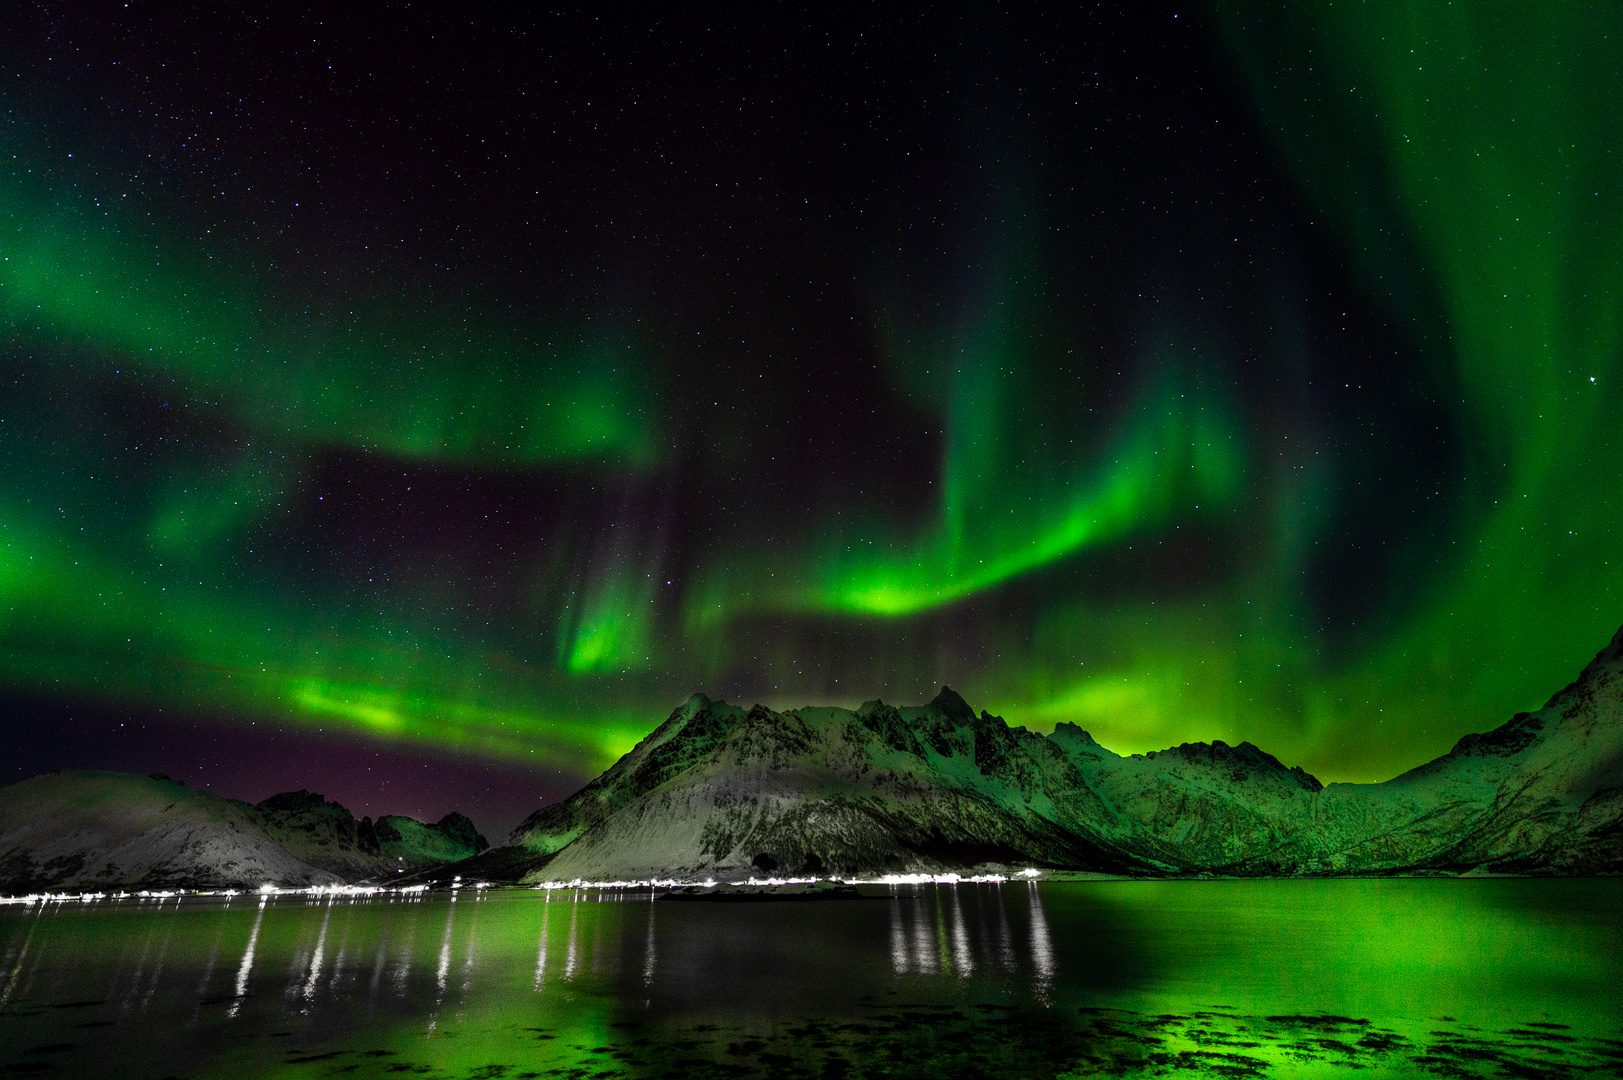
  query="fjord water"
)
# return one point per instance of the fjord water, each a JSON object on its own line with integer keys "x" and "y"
{"x": 1232, "y": 978}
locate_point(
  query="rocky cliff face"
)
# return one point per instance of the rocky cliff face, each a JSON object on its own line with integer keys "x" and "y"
{"x": 720, "y": 790}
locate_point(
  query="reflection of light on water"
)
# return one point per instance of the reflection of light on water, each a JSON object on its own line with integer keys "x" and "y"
{"x": 931, "y": 934}
{"x": 315, "y": 961}
{"x": 898, "y": 935}
{"x": 445, "y": 952}
{"x": 208, "y": 968}
{"x": 140, "y": 969}
{"x": 15, "y": 958}
{"x": 943, "y": 951}
{"x": 335, "y": 984}
{"x": 471, "y": 953}
{"x": 569, "y": 952}
{"x": 402, "y": 969}
{"x": 1005, "y": 937}
{"x": 247, "y": 961}
{"x": 541, "y": 949}
{"x": 954, "y": 932}
{"x": 377, "y": 970}
{"x": 443, "y": 970}
{"x": 157, "y": 969}
{"x": 1042, "y": 946}
{"x": 961, "y": 958}
{"x": 648, "y": 950}
{"x": 923, "y": 959}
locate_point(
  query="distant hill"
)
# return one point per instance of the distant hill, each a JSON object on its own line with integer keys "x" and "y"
{"x": 326, "y": 835}
{"x": 720, "y": 790}
{"x": 72, "y": 830}
{"x": 100, "y": 830}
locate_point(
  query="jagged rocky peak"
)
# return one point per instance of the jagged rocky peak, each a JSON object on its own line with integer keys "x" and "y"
{"x": 326, "y": 835}
{"x": 953, "y": 707}
{"x": 699, "y": 718}
{"x": 947, "y": 725}
{"x": 694, "y": 704}
{"x": 300, "y": 802}
{"x": 1243, "y": 762}
{"x": 460, "y": 828}
{"x": 1071, "y": 736}
{"x": 719, "y": 789}
{"x": 767, "y": 737}
{"x": 1512, "y": 737}
{"x": 892, "y": 729}
{"x": 1595, "y": 679}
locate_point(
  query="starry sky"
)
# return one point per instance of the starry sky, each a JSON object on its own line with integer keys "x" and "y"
{"x": 421, "y": 404}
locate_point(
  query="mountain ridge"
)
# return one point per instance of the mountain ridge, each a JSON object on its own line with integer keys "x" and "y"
{"x": 74, "y": 829}
{"x": 717, "y": 789}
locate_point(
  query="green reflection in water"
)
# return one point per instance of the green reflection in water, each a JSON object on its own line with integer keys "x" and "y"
{"x": 1289, "y": 978}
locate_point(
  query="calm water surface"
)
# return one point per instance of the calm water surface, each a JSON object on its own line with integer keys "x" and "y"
{"x": 1280, "y": 978}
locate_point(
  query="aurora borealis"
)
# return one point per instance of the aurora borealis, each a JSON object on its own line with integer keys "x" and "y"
{"x": 483, "y": 388}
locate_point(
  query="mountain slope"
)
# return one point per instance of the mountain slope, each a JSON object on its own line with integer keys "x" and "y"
{"x": 1540, "y": 794}
{"x": 98, "y": 830}
{"x": 325, "y": 834}
{"x": 718, "y": 790}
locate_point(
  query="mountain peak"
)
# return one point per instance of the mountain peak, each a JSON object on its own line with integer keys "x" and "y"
{"x": 889, "y": 790}
{"x": 1596, "y": 675}
{"x": 1065, "y": 731}
{"x": 953, "y": 707}
{"x": 458, "y": 828}
{"x": 298, "y": 802}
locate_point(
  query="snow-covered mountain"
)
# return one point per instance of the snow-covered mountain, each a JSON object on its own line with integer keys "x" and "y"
{"x": 717, "y": 790}
{"x": 326, "y": 835}
{"x": 721, "y": 791}
{"x": 74, "y": 829}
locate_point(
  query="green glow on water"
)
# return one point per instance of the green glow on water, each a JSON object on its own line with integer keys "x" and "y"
{"x": 1285, "y": 978}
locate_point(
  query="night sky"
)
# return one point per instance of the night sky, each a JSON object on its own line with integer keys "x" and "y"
{"x": 418, "y": 405}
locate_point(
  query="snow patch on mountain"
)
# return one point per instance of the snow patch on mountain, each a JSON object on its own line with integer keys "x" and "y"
{"x": 721, "y": 791}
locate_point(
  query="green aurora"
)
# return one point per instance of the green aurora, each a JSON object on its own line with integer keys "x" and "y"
{"x": 213, "y": 499}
